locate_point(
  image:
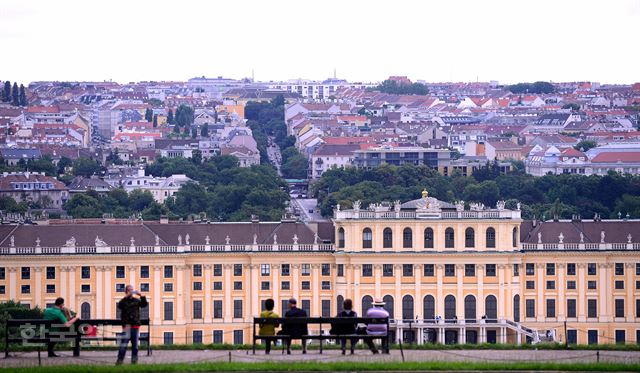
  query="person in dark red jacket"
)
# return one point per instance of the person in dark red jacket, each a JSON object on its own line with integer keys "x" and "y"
{"x": 129, "y": 307}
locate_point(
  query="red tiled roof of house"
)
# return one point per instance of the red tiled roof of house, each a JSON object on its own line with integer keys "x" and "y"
{"x": 43, "y": 109}
{"x": 614, "y": 157}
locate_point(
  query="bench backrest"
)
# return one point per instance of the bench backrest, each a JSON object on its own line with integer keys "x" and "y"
{"x": 320, "y": 320}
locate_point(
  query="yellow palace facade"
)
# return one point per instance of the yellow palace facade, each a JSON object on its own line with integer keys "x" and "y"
{"x": 447, "y": 273}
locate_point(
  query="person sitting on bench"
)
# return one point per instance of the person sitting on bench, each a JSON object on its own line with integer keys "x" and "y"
{"x": 295, "y": 330}
{"x": 268, "y": 329}
{"x": 346, "y": 328}
{"x": 377, "y": 311}
{"x": 56, "y": 313}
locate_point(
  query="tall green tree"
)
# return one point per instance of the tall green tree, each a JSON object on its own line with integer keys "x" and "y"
{"x": 6, "y": 92}
{"x": 204, "y": 131}
{"x": 170, "y": 117}
{"x": 184, "y": 115}
{"x": 148, "y": 115}
{"x": 155, "y": 120}
{"x": 15, "y": 95}
{"x": 194, "y": 132}
{"x": 23, "y": 96}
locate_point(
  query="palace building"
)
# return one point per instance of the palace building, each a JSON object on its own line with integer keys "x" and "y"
{"x": 448, "y": 273}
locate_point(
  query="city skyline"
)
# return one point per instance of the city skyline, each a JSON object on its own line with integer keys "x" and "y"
{"x": 434, "y": 42}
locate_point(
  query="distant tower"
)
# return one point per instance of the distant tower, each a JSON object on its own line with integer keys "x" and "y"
{"x": 252, "y": 76}
{"x": 334, "y": 73}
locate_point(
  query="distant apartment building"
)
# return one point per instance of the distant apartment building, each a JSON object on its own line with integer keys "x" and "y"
{"x": 398, "y": 156}
{"x": 34, "y": 187}
{"x": 160, "y": 187}
{"x": 315, "y": 89}
{"x": 597, "y": 161}
{"x": 327, "y": 156}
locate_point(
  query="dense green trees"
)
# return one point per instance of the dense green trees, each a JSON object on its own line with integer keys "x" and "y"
{"x": 536, "y": 87}
{"x": 170, "y": 117}
{"x": 585, "y": 145}
{"x": 184, "y": 116}
{"x": 23, "y": 96}
{"x": 294, "y": 164}
{"x": 6, "y": 92}
{"x": 86, "y": 167}
{"x": 17, "y": 96}
{"x": 393, "y": 87}
{"x": 118, "y": 203}
{"x": 148, "y": 115}
{"x": 550, "y": 195}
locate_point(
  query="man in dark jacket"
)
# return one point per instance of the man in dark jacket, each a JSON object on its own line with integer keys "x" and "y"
{"x": 129, "y": 307}
{"x": 295, "y": 330}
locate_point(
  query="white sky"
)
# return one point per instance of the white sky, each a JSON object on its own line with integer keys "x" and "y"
{"x": 508, "y": 41}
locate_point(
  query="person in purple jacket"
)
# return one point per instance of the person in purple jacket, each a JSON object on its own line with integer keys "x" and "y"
{"x": 377, "y": 311}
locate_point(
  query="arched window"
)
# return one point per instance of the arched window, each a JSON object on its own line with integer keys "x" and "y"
{"x": 514, "y": 237}
{"x": 388, "y": 305}
{"x": 469, "y": 237}
{"x": 85, "y": 311}
{"x": 450, "y": 308}
{"x": 407, "y": 307}
{"x": 491, "y": 238}
{"x": 428, "y": 238}
{"x": 367, "y": 238}
{"x": 491, "y": 308}
{"x": 516, "y": 308}
{"x": 449, "y": 238}
{"x": 341, "y": 238}
{"x": 407, "y": 238}
{"x": 387, "y": 238}
{"x": 366, "y": 304}
{"x": 340, "y": 303}
{"x": 429, "y": 307}
{"x": 470, "y": 308}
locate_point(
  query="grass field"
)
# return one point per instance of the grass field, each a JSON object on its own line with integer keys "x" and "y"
{"x": 335, "y": 367}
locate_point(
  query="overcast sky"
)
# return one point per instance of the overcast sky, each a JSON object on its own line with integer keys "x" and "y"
{"x": 508, "y": 41}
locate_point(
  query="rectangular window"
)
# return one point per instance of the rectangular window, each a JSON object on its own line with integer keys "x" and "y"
{"x": 285, "y": 285}
{"x": 144, "y": 271}
{"x": 85, "y": 288}
{"x": 572, "y": 336}
{"x": 638, "y": 307}
{"x": 168, "y": 271}
{"x": 326, "y": 285}
{"x": 196, "y": 337}
{"x": 25, "y": 289}
{"x": 217, "y": 270}
{"x": 387, "y": 270}
{"x": 571, "y": 308}
{"x": 551, "y": 285}
{"x": 306, "y": 285}
{"x": 285, "y": 270}
{"x": 491, "y": 270}
{"x": 619, "y": 307}
{"x": 238, "y": 337}
{"x": 197, "y": 271}
{"x": 237, "y": 269}
{"x": 3, "y": 289}
{"x": 217, "y": 285}
{"x": 619, "y": 269}
{"x": 592, "y": 337}
{"x": 51, "y": 288}
{"x": 340, "y": 270}
{"x": 168, "y": 287}
{"x": 551, "y": 269}
{"x": 120, "y": 288}
{"x": 619, "y": 284}
{"x": 197, "y": 286}
{"x": 25, "y": 273}
{"x": 407, "y": 270}
{"x": 237, "y": 285}
{"x": 326, "y": 308}
{"x": 306, "y": 306}
{"x": 530, "y": 269}
{"x": 217, "y": 337}
{"x": 326, "y": 269}
{"x": 367, "y": 270}
{"x": 237, "y": 308}
{"x": 144, "y": 287}
{"x": 305, "y": 269}
{"x": 119, "y": 271}
{"x": 168, "y": 311}
{"x": 551, "y": 308}
{"x": 2, "y": 273}
{"x": 637, "y": 269}
{"x": 265, "y": 285}
{"x": 591, "y": 285}
{"x": 530, "y": 308}
{"x": 571, "y": 269}
{"x": 470, "y": 270}
{"x": 85, "y": 272}
{"x": 167, "y": 338}
{"x": 516, "y": 270}
{"x": 592, "y": 308}
{"x": 621, "y": 336}
{"x": 265, "y": 270}
{"x": 449, "y": 270}
{"x": 197, "y": 309}
{"x": 429, "y": 270}
{"x": 530, "y": 285}
{"x": 51, "y": 273}
{"x": 571, "y": 285}
{"x": 591, "y": 269}
{"x": 217, "y": 309}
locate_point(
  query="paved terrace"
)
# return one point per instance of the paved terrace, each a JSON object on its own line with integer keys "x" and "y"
{"x": 185, "y": 356}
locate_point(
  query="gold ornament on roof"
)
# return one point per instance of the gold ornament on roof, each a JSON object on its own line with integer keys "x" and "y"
{"x": 425, "y": 194}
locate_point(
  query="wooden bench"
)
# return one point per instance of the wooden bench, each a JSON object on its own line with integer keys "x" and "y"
{"x": 38, "y": 331}
{"x": 320, "y": 321}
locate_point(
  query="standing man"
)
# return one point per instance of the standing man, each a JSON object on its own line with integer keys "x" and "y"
{"x": 377, "y": 311}
{"x": 56, "y": 314}
{"x": 129, "y": 307}
{"x": 295, "y": 330}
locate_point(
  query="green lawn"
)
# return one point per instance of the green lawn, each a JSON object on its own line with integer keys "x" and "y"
{"x": 335, "y": 367}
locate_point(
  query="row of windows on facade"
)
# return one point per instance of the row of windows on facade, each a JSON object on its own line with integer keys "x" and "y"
{"x": 429, "y": 238}
{"x": 367, "y": 270}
